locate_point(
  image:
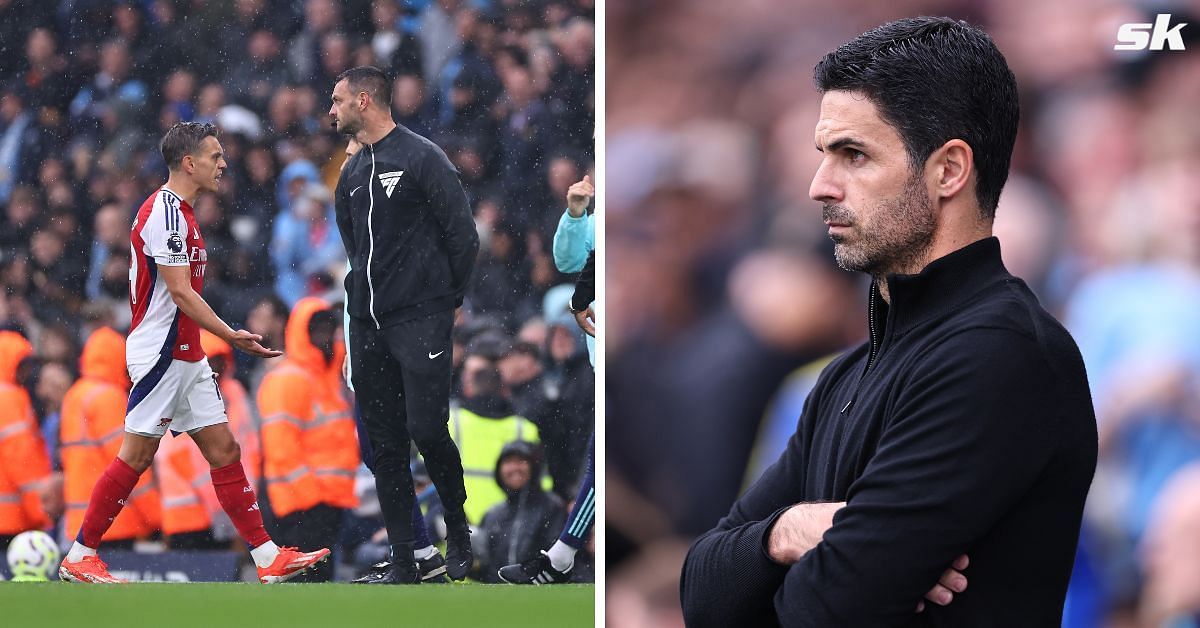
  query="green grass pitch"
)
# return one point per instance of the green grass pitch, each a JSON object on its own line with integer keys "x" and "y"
{"x": 213, "y": 605}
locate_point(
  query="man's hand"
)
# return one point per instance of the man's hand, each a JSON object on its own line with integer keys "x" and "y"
{"x": 952, "y": 581}
{"x": 800, "y": 529}
{"x": 578, "y": 196}
{"x": 248, "y": 342}
{"x": 585, "y": 319}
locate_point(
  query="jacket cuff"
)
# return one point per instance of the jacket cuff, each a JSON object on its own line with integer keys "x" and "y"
{"x": 567, "y": 215}
{"x": 762, "y": 531}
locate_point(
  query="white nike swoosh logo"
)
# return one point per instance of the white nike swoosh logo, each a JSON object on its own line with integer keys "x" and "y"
{"x": 434, "y": 355}
{"x": 355, "y": 190}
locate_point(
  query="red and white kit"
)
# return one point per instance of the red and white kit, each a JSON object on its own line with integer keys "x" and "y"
{"x": 173, "y": 386}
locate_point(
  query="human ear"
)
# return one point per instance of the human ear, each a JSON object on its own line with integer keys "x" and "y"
{"x": 953, "y": 166}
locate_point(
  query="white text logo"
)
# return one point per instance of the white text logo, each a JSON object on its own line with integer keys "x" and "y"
{"x": 389, "y": 181}
{"x": 1136, "y": 36}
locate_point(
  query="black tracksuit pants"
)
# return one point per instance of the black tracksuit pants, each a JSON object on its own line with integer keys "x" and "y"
{"x": 402, "y": 383}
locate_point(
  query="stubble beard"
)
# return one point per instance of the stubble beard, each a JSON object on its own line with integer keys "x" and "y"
{"x": 898, "y": 241}
{"x": 348, "y": 127}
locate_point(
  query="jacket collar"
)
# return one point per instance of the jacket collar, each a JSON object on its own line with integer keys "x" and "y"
{"x": 394, "y": 133}
{"x": 944, "y": 285}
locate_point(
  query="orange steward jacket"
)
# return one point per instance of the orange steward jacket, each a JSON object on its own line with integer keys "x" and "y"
{"x": 93, "y": 424}
{"x": 24, "y": 464}
{"x": 309, "y": 441}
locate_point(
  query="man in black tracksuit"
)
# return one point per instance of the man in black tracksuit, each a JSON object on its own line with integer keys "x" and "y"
{"x": 948, "y": 457}
{"x": 411, "y": 240}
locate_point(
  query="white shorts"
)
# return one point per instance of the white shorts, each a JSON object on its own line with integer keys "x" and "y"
{"x": 173, "y": 395}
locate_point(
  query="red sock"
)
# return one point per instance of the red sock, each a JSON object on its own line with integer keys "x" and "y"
{"x": 239, "y": 502}
{"x": 108, "y": 498}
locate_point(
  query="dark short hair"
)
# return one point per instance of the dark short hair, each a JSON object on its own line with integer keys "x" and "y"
{"x": 935, "y": 79}
{"x": 184, "y": 138}
{"x": 369, "y": 79}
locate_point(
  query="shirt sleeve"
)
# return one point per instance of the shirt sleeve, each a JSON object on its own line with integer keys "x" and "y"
{"x": 572, "y": 241}
{"x": 165, "y": 233}
{"x": 728, "y": 578}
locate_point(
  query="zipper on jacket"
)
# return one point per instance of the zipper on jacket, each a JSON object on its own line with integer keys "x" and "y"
{"x": 870, "y": 356}
{"x": 371, "y": 237}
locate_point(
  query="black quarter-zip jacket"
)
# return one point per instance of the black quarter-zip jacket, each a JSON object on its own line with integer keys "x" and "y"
{"x": 407, "y": 228}
{"x": 963, "y": 426}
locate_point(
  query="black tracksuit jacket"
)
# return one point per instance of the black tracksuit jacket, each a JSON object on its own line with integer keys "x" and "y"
{"x": 407, "y": 228}
{"x": 963, "y": 426}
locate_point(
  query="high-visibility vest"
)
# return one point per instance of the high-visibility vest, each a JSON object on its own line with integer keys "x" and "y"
{"x": 309, "y": 440}
{"x": 24, "y": 464}
{"x": 479, "y": 441}
{"x": 90, "y": 435}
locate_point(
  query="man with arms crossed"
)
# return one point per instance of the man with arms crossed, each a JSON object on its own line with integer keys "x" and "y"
{"x": 411, "y": 240}
{"x": 964, "y": 425}
{"x": 173, "y": 386}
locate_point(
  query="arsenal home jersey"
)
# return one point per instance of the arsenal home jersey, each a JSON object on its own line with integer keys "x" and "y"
{"x": 164, "y": 234}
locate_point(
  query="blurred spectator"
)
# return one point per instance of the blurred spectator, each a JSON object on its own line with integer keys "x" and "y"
{"x": 267, "y": 318}
{"x": 113, "y": 98}
{"x": 19, "y": 141}
{"x": 396, "y": 51}
{"x": 320, "y": 18}
{"x": 309, "y": 442}
{"x": 526, "y": 521}
{"x": 54, "y": 379}
{"x": 93, "y": 422}
{"x": 24, "y": 465}
{"x": 306, "y": 247}
{"x": 409, "y": 105}
{"x": 521, "y": 372}
{"x": 260, "y": 72}
{"x": 58, "y": 283}
{"x": 45, "y": 79}
{"x": 111, "y": 232}
{"x": 481, "y": 427}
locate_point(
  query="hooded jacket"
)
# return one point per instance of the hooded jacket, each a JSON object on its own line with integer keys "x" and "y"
{"x": 528, "y": 520}
{"x": 309, "y": 440}
{"x": 90, "y": 435}
{"x": 407, "y": 228}
{"x": 23, "y": 460}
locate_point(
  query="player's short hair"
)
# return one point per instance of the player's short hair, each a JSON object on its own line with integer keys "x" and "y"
{"x": 184, "y": 138}
{"x": 935, "y": 79}
{"x": 369, "y": 79}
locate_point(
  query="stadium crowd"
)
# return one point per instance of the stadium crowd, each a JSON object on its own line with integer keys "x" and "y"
{"x": 727, "y": 301}
{"x": 87, "y": 87}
